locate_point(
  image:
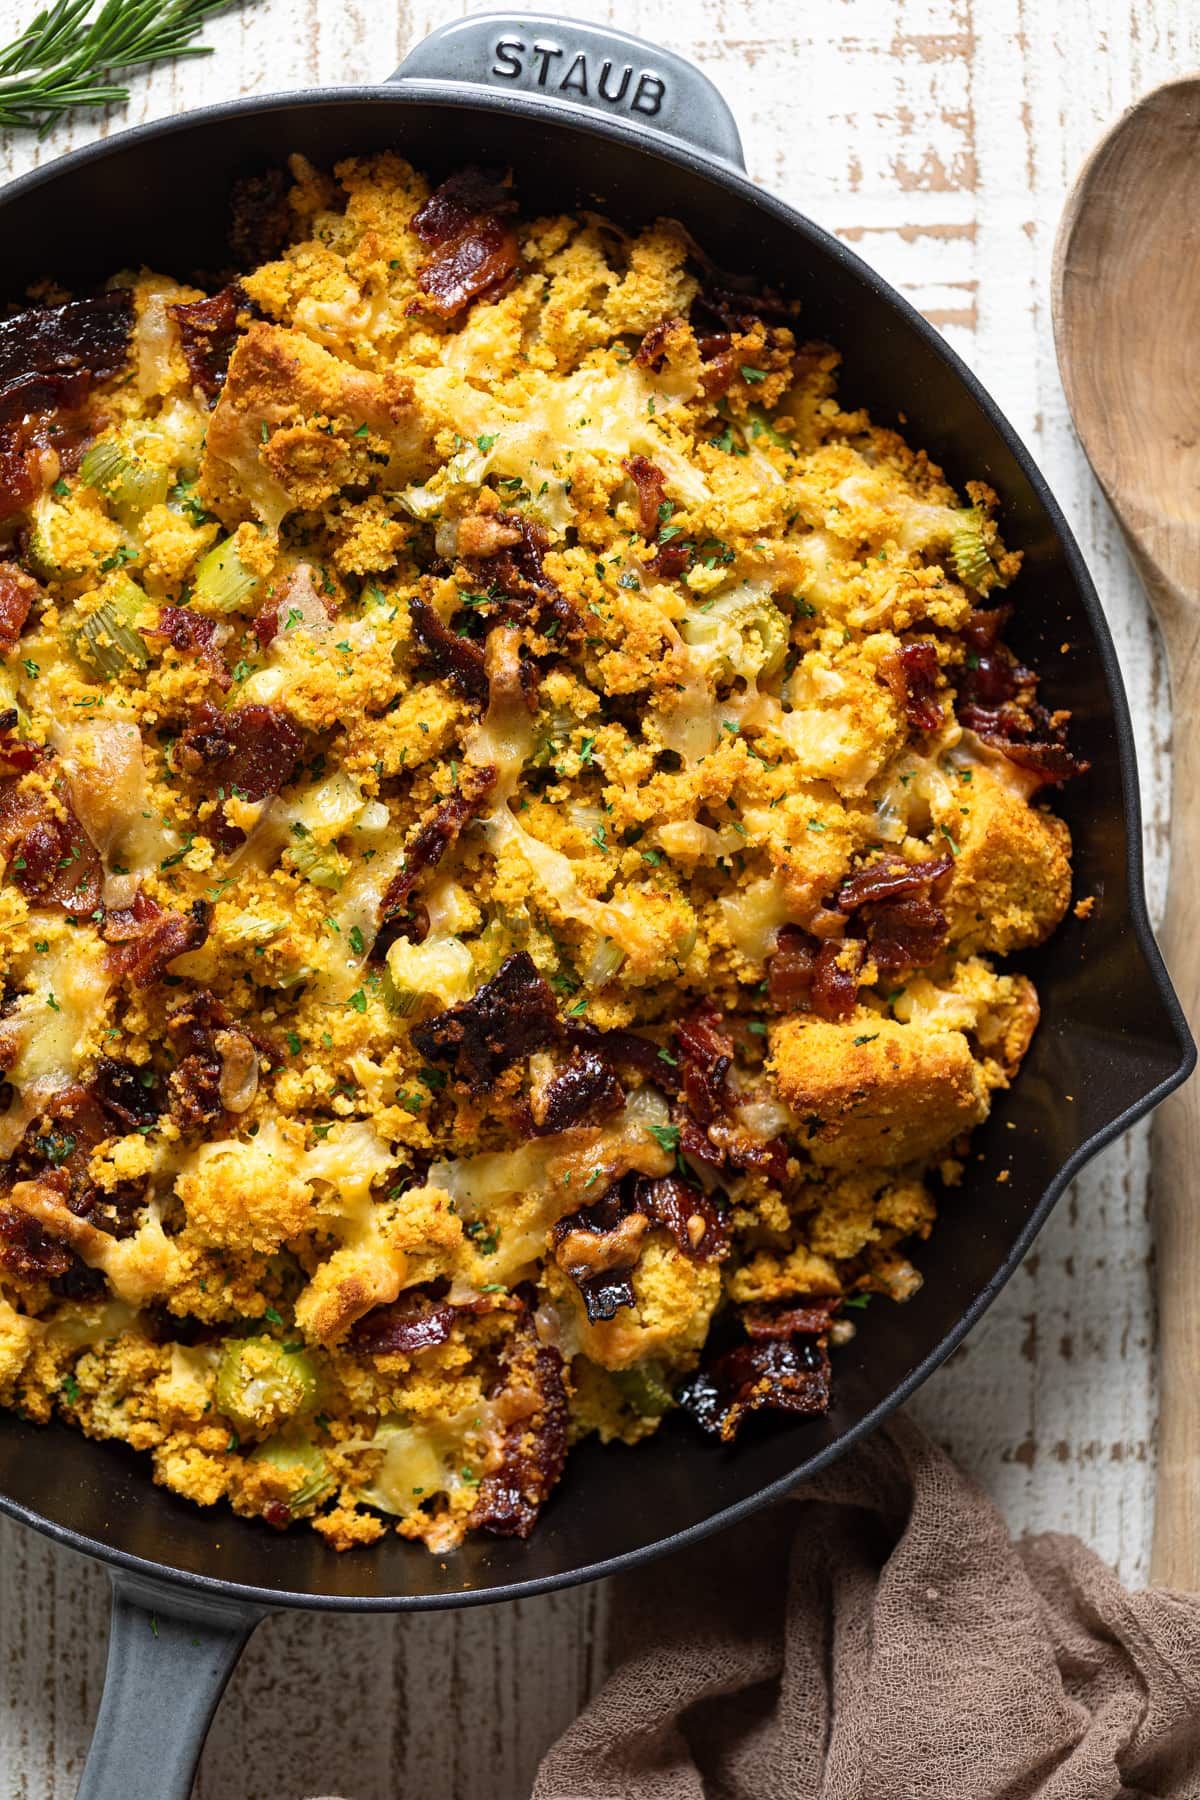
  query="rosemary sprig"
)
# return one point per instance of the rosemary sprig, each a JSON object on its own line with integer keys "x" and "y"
{"x": 65, "y": 58}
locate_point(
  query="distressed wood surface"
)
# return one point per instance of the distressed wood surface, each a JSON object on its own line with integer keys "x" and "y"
{"x": 939, "y": 137}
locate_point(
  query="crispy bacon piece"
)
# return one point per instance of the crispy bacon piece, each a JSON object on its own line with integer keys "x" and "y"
{"x": 783, "y": 1364}
{"x": 468, "y": 223}
{"x": 429, "y": 843}
{"x": 905, "y": 927}
{"x": 738, "y": 311}
{"x": 89, "y": 336}
{"x": 251, "y": 751}
{"x": 912, "y": 676}
{"x": 18, "y": 591}
{"x": 684, "y": 1210}
{"x": 17, "y": 755}
{"x": 793, "y": 1318}
{"x": 144, "y": 939}
{"x": 193, "y": 1030}
{"x": 652, "y": 351}
{"x": 459, "y": 659}
{"x": 515, "y": 571}
{"x": 416, "y": 1321}
{"x": 125, "y": 1094}
{"x": 598, "y": 1247}
{"x": 650, "y": 483}
{"x": 582, "y": 1091}
{"x": 508, "y": 1018}
{"x": 705, "y": 1059}
{"x": 533, "y": 1394}
{"x": 889, "y": 879}
{"x": 49, "y": 356}
{"x": 905, "y": 934}
{"x": 41, "y": 433}
{"x": 208, "y": 330}
{"x": 628, "y": 1050}
{"x": 192, "y": 635}
{"x": 998, "y": 701}
{"x": 805, "y": 974}
{"x": 27, "y": 1251}
{"x": 56, "y": 1151}
{"x": 50, "y": 857}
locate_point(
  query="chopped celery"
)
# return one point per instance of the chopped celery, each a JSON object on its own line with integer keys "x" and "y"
{"x": 742, "y": 631}
{"x": 130, "y": 484}
{"x": 260, "y": 1385}
{"x": 969, "y": 549}
{"x": 321, "y": 864}
{"x": 440, "y": 969}
{"x": 108, "y": 638}
{"x": 759, "y": 426}
{"x": 221, "y": 583}
{"x": 52, "y": 550}
{"x": 644, "y": 1388}
{"x": 298, "y": 1454}
{"x": 604, "y": 963}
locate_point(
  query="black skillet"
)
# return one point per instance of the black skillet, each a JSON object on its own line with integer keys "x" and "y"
{"x": 585, "y": 115}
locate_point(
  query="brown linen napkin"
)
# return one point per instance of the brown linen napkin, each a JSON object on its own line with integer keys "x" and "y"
{"x": 879, "y": 1636}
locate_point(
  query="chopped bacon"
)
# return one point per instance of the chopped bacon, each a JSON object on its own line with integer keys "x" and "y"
{"x": 467, "y": 222}
{"x": 47, "y": 852}
{"x": 90, "y": 335}
{"x": 515, "y": 572}
{"x": 198, "y": 1033}
{"x": 192, "y": 635}
{"x": 431, "y": 840}
{"x": 628, "y": 1050}
{"x": 783, "y": 1365}
{"x": 805, "y": 974}
{"x": 459, "y": 659}
{"x": 650, "y": 483}
{"x": 49, "y": 356}
{"x": 250, "y": 751}
{"x": 27, "y": 1251}
{"x": 416, "y": 1321}
{"x": 888, "y": 879}
{"x": 740, "y": 311}
{"x": 651, "y": 352}
{"x": 672, "y": 558}
{"x": 128, "y": 1094}
{"x": 905, "y": 927}
{"x": 705, "y": 1059}
{"x": 508, "y": 1018}
{"x": 17, "y": 755}
{"x": 18, "y": 591}
{"x": 533, "y": 1394}
{"x": 997, "y": 701}
{"x": 912, "y": 676}
{"x": 905, "y": 934}
{"x": 41, "y": 432}
{"x": 792, "y": 1318}
{"x": 598, "y": 1246}
{"x": 685, "y": 1211}
{"x": 208, "y": 330}
{"x": 580, "y": 1092}
{"x": 144, "y": 940}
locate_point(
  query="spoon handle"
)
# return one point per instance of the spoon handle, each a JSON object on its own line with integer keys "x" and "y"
{"x": 1175, "y": 1186}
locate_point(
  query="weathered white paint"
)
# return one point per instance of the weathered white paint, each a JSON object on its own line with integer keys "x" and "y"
{"x": 939, "y": 137}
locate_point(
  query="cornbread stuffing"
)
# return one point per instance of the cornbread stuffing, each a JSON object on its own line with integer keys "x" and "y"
{"x": 511, "y": 802}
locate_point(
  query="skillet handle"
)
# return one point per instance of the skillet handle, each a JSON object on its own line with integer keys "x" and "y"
{"x": 170, "y": 1654}
{"x": 574, "y": 67}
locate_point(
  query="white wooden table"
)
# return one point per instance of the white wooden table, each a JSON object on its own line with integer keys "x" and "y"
{"x": 938, "y": 137}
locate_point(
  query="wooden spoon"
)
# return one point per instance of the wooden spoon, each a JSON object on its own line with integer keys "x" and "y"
{"x": 1126, "y": 305}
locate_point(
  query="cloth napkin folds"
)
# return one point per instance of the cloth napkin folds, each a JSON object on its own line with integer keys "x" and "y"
{"x": 879, "y": 1636}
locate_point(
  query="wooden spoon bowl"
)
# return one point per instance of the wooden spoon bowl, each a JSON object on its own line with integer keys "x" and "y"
{"x": 1126, "y": 306}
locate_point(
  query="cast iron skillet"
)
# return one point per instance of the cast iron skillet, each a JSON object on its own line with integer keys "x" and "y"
{"x": 534, "y": 93}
